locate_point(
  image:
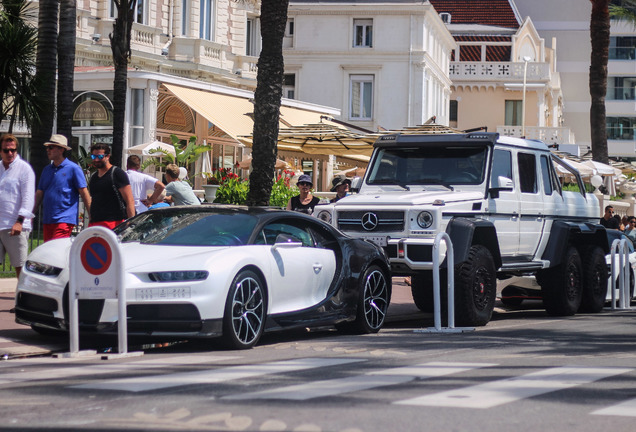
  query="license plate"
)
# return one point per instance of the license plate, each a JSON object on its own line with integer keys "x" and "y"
{"x": 379, "y": 240}
{"x": 162, "y": 293}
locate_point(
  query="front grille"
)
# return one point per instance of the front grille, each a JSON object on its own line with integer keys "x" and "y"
{"x": 388, "y": 221}
{"x": 163, "y": 318}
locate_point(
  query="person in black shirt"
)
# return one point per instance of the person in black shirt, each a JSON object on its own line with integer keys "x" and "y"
{"x": 608, "y": 220}
{"x": 305, "y": 202}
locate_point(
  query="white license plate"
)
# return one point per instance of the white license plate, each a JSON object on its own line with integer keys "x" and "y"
{"x": 379, "y": 240}
{"x": 162, "y": 293}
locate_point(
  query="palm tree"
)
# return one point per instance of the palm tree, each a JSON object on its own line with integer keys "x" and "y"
{"x": 66, "y": 67}
{"x": 269, "y": 90}
{"x": 120, "y": 45}
{"x": 18, "y": 44}
{"x": 600, "y": 37}
{"x": 46, "y": 65}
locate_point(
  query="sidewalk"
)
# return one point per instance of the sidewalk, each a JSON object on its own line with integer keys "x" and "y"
{"x": 8, "y": 285}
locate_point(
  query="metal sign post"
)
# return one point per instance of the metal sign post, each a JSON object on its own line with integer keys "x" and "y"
{"x": 96, "y": 272}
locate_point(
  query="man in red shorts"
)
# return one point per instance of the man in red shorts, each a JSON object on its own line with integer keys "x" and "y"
{"x": 61, "y": 184}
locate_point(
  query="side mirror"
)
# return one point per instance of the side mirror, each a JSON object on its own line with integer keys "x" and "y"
{"x": 355, "y": 184}
{"x": 501, "y": 184}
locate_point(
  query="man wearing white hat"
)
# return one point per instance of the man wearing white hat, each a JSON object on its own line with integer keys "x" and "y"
{"x": 61, "y": 184}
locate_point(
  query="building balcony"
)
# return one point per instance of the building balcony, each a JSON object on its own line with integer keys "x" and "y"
{"x": 498, "y": 71}
{"x": 549, "y": 135}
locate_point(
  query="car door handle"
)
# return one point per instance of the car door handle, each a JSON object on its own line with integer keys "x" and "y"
{"x": 317, "y": 268}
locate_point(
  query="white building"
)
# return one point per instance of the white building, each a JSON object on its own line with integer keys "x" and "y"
{"x": 384, "y": 64}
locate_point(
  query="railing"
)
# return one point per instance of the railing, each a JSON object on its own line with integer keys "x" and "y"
{"x": 498, "y": 71}
{"x": 549, "y": 135}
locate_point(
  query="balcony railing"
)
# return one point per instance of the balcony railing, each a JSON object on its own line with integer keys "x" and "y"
{"x": 549, "y": 135}
{"x": 498, "y": 71}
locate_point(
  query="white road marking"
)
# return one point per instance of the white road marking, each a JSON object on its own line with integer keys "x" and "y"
{"x": 381, "y": 378}
{"x": 626, "y": 409}
{"x": 500, "y": 392}
{"x": 155, "y": 382}
{"x": 106, "y": 368}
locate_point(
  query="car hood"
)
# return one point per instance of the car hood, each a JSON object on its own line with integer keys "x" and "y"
{"x": 134, "y": 255}
{"x": 409, "y": 197}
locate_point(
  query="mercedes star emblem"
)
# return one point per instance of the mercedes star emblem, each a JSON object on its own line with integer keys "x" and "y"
{"x": 369, "y": 221}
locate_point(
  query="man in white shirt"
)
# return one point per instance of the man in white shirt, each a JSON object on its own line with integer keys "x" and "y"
{"x": 17, "y": 196}
{"x": 141, "y": 183}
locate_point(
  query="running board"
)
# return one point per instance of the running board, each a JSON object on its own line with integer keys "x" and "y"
{"x": 519, "y": 266}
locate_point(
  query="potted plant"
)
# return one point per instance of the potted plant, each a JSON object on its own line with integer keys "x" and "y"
{"x": 211, "y": 187}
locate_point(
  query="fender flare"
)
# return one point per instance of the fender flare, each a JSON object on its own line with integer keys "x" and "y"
{"x": 578, "y": 234}
{"x": 465, "y": 233}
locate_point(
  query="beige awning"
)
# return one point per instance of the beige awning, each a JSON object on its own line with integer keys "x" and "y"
{"x": 233, "y": 114}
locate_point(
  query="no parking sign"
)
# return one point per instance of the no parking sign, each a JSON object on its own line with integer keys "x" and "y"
{"x": 96, "y": 272}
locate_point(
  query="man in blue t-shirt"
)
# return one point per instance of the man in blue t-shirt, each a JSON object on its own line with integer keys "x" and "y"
{"x": 61, "y": 184}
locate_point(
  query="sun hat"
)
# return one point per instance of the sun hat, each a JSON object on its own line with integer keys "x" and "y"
{"x": 58, "y": 140}
{"x": 305, "y": 179}
{"x": 338, "y": 180}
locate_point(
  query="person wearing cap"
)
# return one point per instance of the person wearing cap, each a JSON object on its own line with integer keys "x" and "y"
{"x": 17, "y": 189}
{"x": 61, "y": 184}
{"x": 305, "y": 202}
{"x": 340, "y": 185}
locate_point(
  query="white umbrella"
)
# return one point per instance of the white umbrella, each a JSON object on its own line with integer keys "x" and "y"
{"x": 584, "y": 170}
{"x": 152, "y": 149}
{"x": 247, "y": 162}
{"x": 603, "y": 169}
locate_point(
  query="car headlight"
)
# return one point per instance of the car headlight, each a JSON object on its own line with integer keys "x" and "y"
{"x": 43, "y": 269}
{"x": 425, "y": 219}
{"x": 178, "y": 276}
{"x": 325, "y": 216}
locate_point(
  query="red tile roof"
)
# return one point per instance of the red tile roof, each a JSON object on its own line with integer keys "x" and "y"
{"x": 487, "y": 12}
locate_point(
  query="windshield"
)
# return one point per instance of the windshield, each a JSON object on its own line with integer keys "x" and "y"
{"x": 188, "y": 228}
{"x": 430, "y": 165}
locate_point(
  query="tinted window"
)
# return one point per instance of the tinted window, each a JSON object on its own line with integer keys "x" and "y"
{"x": 501, "y": 165}
{"x": 545, "y": 175}
{"x": 188, "y": 229}
{"x": 527, "y": 172}
{"x": 270, "y": 233}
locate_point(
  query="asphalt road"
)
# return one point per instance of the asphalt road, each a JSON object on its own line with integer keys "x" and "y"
{"x": 524, "y": 371}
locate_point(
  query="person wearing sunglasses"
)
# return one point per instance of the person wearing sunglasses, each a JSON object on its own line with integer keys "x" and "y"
{"x": 630, "y": 229}
{"x": 608, "y": 220}
{"x": 17, "y": 195}
{"x": 305, "y": 201}
{"x": 112, "y": 200}
{"x": 61, "y": 184}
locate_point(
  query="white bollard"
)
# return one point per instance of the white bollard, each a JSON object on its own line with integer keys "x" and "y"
{"x": 450, "y": 289}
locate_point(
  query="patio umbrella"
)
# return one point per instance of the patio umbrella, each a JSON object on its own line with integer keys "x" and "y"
{"x": 584, "y": 170}
{"x": 603, "y": 169}
{"x": 323, "y": 139}
{"x": 147, "y": 149}
{"x": 280, "y": 164}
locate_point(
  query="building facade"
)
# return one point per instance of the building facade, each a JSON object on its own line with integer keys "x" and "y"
{"x": 504, "y": 77}
{"x": 384, "y": 64}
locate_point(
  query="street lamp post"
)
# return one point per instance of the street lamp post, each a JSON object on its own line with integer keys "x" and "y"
{"x": 526, "y": 59}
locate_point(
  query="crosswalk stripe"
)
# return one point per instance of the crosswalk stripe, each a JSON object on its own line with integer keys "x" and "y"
{"x": 106, "y": 368}
{"x": 214, "y": 376}
{"x": 626, "y": 409}
{"x": 381, "y": 378}
{"x": 500, "y": 392}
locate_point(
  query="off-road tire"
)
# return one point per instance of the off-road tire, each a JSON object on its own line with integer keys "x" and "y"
{"x": 475, "y": 288}
{"x": 595, "y": 280}
{"x": 562, "y": 288}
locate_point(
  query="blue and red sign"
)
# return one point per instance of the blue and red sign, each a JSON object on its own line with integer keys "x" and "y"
{"x": 96, "y": 255}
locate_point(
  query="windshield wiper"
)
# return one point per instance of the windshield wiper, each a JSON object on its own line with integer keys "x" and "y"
{"x": 391, "y": 182}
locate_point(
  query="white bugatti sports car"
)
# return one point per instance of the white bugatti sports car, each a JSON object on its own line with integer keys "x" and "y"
{"x": 219, "y": 270}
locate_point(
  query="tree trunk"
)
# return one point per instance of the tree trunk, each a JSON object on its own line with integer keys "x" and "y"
{"x": 600, "y": 37}
{"x": 66, "y": 68}
{"x": 269, "y": 90}
{"x": 46, "y": 63}
{"x": 120, "y": 45}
